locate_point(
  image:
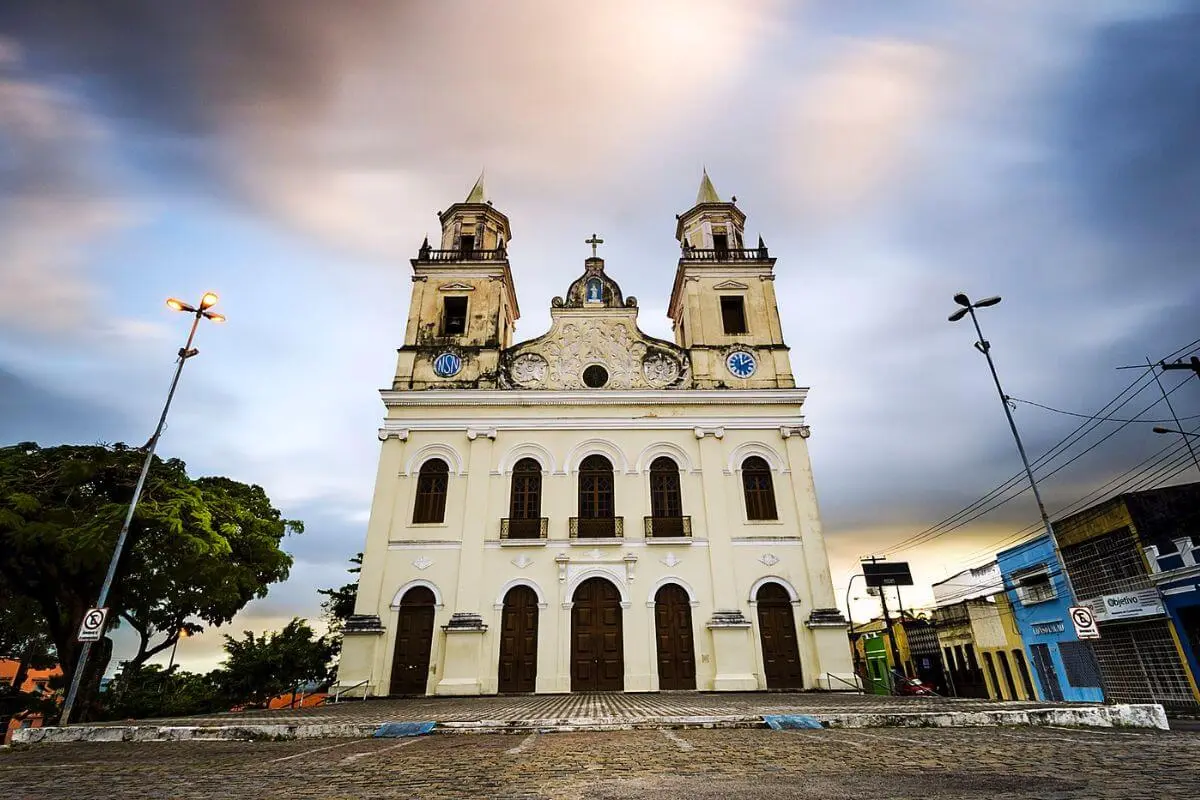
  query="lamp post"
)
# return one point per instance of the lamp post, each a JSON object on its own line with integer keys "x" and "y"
{"x": 187, "y": 351}
{"x": 985, "y": 347}
{"x": 1187, "y": 439}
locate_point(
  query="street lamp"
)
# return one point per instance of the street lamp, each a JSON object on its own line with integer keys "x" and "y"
{"x": 985, "y": 347}
{"x": 207, "y": 301}
{"x": 1158, "y": 429}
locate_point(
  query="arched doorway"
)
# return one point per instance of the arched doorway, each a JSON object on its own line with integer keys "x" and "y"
{"x": 518, "y": 640}
{"x": 597, "y": 650}
{"x": 777, "y": 629}
{"x": 414, "y": 637}
{"x": 673, "y": 634}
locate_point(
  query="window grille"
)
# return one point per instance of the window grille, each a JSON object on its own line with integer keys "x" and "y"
{"x": 1140, "y": 664}
{"x": 1080, "y": 662}
{"x": 1107, "y": 564}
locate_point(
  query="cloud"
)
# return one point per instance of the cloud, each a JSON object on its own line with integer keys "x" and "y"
{"x": 53, "y": 206}
{"x": 847, "y": 130}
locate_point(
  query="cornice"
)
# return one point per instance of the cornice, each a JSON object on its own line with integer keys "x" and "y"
{"x": 700, "y": 426}
{"x": 393, "y": 398}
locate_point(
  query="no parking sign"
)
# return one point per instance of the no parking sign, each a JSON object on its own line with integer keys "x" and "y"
{"x": 1084, "y": 620}
{"x": 92, "y": 627}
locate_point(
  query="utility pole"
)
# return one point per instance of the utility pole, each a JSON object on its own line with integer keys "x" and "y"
{"x": 887, "y": 620}
{"x": 1187, "y": 440}
{"x": 1193, "y": 364}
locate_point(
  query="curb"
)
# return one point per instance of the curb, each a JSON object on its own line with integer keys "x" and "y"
{"x": 1142, "y": 716}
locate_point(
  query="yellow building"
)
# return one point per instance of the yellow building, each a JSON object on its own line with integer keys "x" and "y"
{"x": 594, "y": 509}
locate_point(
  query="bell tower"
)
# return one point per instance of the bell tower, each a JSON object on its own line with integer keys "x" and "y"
{"x": 464, "y": 305}
{"x": 723, "y": 300}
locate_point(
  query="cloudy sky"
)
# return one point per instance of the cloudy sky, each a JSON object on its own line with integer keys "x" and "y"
{"x": 291, "y": 156}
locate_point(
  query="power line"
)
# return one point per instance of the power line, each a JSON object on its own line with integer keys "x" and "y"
{"x": 956, "y": 520}
{"x": 1092, "y": 416}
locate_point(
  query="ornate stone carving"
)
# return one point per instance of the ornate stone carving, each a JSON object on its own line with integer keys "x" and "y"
{"x": 670, "y": 561}
{"x": 769, "y": 559}
{"x": 632, "y": 360}
{"x": 522, "y": 561}
{"x": 422, "y": 563}
{"x": 660, "y": 369}
{"x": 788, "y": 431}
{"x": 528, "y": 369}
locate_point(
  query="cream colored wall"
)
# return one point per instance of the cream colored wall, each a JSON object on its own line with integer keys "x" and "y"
{"x": 471, "y": 567}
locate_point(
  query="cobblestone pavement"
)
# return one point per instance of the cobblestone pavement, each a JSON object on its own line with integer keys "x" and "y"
{"x": 930, "y": 764}
{"x": 616, "y": 704}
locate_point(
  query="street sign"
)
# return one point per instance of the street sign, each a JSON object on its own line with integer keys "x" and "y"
{"x": 92, "y": 627}
{"x": 1084, "y": 620}
{"x": 887, "y": 573}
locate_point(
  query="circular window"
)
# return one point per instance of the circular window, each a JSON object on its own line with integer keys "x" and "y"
{"x": 595, "y": 376}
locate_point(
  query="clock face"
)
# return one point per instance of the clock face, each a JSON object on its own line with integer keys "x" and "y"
{"x": 447, "y": 365}
{"x": 741, "y": 364}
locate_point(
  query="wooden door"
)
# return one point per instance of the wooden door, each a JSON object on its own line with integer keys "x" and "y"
{"x": 597, "y": 650}
{"x": 518, "y": 640}
{"x": 414, "y": 637}
{"x": 777, "y": 629}
{"x": 673, "y": 633}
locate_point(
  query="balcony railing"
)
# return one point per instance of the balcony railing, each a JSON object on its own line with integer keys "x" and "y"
{"x": 597, "y": 527}
{"x": 725, "y": 254}
{"x": 429, "y": 254}
{"x": 531, "y": 528}
{"x": 668, "y": 527}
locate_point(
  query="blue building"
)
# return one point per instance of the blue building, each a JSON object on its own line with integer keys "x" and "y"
{"x": 1175, "y": 570}
{"x": 1064, "y": 668}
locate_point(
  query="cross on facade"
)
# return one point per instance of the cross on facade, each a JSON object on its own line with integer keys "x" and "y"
{"x": 593, "y": 242}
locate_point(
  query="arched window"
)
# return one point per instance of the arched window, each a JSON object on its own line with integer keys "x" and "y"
{"x": 666, "y": 504}
{"x": 760, "y": 493}
{"x": 596, "y": 505}
{"x": 430, "y": 505}
{"x": 525, "y": 502}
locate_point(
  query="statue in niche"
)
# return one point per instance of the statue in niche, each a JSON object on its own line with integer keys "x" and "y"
{"x": 595, "y": 293}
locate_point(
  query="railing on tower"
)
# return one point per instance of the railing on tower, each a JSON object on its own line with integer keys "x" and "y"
{"x": 597, "y": 527}
{"x": 431, "y": 255}
{"x": 668, "y": 527}
{"x": 725, "y": 254}
{"x": 531, "y": 528}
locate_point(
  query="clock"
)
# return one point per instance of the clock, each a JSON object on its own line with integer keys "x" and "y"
{"x": 447, "y": 365}
{"x": 741, "y": 363}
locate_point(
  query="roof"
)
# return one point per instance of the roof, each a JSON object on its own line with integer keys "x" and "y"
{"x": 707, "y": 193}
{"x": 478, "y": 192}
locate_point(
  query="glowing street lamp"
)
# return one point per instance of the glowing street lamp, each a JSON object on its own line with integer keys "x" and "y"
{"x": 187, "y": 351}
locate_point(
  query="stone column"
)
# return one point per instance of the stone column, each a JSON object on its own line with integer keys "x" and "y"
{"x": 463, "y": 665}
{"x": 363, "y": 645}
{"x": 733, "y": 651}
{"x": 825, "y": 619}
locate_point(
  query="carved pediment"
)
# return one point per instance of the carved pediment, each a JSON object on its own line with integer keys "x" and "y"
{"x": 631, "y": 359}
{"x": 731, "y": 285}
{"x": 457, "y": 286}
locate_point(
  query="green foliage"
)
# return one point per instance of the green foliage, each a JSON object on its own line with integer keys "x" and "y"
{"x": 257, "y": 668}
{"x": 198, "y": 550}
{"x": 339, "y": 605}
{"x": 149, "y": 691}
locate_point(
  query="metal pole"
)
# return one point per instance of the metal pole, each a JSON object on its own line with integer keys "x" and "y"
{"x": 984, "y": 347}
{"x": 85, "y": 651}
{"x": 887, "y": 626}
{"x": 1186, "y": 439}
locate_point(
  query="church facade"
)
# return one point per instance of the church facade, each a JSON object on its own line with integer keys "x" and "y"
{"x": 594, "y": 509}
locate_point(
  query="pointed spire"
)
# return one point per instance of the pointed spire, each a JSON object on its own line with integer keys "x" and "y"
{"x": 478, "y": 193}
{"x": 707, "y": 193}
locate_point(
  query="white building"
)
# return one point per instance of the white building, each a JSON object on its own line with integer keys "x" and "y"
{"x": 594, "y": 509}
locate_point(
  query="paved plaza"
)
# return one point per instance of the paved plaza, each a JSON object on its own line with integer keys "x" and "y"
{"x": 597, "y": 705}
{"x": 737, "y": 763}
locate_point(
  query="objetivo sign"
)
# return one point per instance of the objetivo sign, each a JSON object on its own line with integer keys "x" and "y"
{"x": 1128, "y": 605}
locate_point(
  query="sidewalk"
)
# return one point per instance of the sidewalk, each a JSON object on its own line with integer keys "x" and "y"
{"x": 605, "y": 711}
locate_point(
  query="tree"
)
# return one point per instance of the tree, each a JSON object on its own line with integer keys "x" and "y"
{"x": 339, "y": 605}
{"x": 197, "y": 549}
{"x": 257, "y": 668}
